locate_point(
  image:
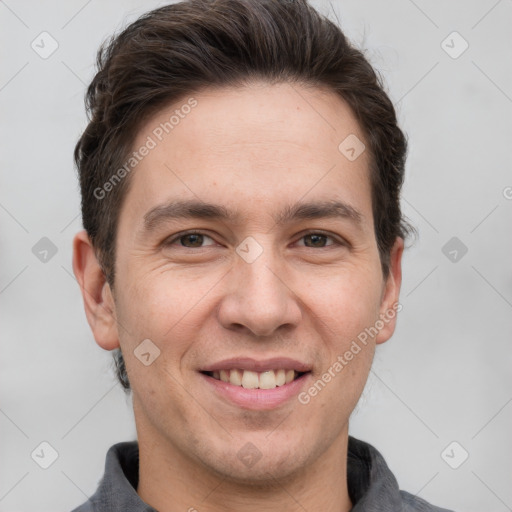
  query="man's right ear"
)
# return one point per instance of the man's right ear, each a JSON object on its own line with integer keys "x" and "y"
{"x": 98, "y": 299}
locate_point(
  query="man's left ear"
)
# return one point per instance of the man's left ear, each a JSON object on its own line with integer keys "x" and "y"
{"x": 389, "y": 306}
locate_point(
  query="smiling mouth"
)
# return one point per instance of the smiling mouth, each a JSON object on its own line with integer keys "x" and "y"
{"x": 248, "y": 379}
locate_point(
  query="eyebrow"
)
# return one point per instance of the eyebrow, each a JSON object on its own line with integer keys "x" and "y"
{"x": 193, "y": 209}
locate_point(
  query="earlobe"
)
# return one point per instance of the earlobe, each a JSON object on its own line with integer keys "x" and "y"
{"x": 390, "y": 305}
{"x": 98, "y": 300}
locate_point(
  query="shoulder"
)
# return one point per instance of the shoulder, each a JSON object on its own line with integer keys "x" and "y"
{"x": 414, "y": 503}
{"x": 372, "y": 485}
{"x": 88, "y": 506}
{"x": 117, "y": 489}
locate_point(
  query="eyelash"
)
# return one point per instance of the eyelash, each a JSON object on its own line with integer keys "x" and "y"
{"x": 175, "y": 238}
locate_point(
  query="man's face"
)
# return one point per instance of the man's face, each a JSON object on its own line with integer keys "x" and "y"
{"x": 283, "y": 280}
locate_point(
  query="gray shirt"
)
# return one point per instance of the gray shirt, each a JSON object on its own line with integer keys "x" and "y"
{"x": 371, "y": 485}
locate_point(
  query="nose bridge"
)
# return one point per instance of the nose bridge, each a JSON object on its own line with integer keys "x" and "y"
{"x": 256, "y": 259}
{"x": 259, "y": 299}
{"x": 260, "y": 283}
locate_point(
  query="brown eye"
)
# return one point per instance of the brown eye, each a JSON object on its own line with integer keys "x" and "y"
{"x": 192, "y": 240}
{"x": 315, "y": 240}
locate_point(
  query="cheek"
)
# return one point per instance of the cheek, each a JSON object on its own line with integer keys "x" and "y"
{"x": 346, "y": 304}
{"x": 169, "y": 310}
{"x": 151, "y": 309}
{"x": 159, "y": 303}
{"x": 344, "y": 312}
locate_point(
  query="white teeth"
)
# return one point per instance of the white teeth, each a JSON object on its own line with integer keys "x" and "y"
{"x": 280, "y": 377}
{"x": 290, "y": 375}
{"x": 268, "y": 380}
{"x": 252, "y": 380}
{"x": 235, "y": 377}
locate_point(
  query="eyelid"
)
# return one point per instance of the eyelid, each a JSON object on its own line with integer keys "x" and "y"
{"x": 174, "y": 238}
{"x": 338, "y": 240}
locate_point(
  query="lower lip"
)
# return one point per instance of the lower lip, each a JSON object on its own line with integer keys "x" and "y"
{"x": 257, "y": 399}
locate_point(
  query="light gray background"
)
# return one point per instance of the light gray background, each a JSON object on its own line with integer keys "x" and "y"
{"x": 445, "y": 376}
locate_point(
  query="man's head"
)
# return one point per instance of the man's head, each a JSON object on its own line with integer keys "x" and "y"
{"x": 240, "y": 181}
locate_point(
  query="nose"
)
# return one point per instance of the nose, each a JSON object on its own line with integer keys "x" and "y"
{"x": 259, "y": 300}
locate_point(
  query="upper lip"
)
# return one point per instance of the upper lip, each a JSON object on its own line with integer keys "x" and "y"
{"x": 248, "y": 363}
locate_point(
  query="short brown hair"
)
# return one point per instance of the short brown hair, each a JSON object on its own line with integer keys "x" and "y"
{"x": 180, "y": 49}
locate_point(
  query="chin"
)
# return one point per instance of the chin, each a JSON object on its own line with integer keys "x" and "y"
{"x": 250, "y": 466}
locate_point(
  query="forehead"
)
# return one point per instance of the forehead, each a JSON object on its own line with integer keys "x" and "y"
{"x": 255, "y": 145}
